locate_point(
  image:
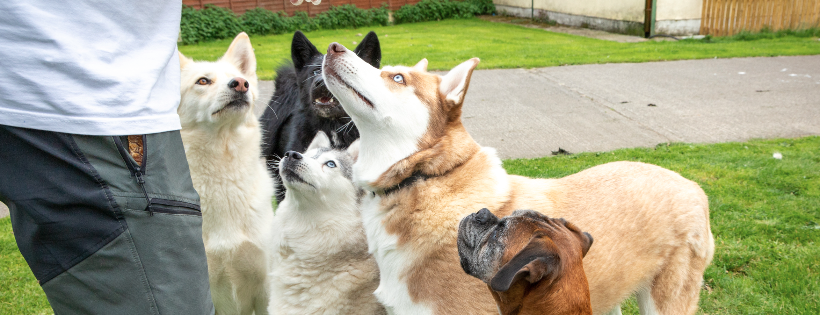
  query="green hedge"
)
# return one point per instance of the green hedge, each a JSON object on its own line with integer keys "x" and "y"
{"x": 434, "y": 10}
{"x": 261, "y": 21}
{"x": 349, "y": 16}
{"x": 212, "y": 22}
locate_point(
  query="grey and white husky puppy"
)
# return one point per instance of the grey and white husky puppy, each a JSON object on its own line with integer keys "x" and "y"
{"x": 322, "y": 265}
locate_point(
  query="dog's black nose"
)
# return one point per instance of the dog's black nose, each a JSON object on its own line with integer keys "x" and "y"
{"x": 484, "y": 216}
{"x": 293, "y": 155}
{"x": 239, "y": 84}
{"x": 335, "y": 48}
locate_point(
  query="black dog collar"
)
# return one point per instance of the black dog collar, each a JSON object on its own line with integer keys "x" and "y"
{"x": 407, "y": 182}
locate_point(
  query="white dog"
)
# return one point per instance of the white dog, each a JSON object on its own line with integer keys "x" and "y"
{"x": 322, "y": 264}
{"x": 222, "y": 142}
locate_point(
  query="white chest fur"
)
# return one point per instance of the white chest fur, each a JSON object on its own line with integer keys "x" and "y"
{"x": 392, "y": 260}
{"x": 321, "y": 261}
{"x": 234, "y": 186}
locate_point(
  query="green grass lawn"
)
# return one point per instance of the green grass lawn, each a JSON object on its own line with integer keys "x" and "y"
{"x": 765, "y": 216}
{"x": 19, "y": 291}
{"x": 500, "y": 45}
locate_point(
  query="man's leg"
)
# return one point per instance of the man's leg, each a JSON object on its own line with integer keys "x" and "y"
{"x": 82, "y": 221}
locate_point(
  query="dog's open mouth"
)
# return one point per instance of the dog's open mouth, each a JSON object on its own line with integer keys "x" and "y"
{"x": 327, "y": 101}
{"x": 336, "y": 77}
{"x": 324, "y": 103}
{"x": 234, "y": 104}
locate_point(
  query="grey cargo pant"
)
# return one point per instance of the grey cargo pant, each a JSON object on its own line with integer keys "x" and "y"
{"x": 102, "y": 233}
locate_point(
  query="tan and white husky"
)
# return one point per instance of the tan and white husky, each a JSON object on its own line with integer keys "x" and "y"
{"x": 222, "y": 138}
{"x": 425, "y": 172}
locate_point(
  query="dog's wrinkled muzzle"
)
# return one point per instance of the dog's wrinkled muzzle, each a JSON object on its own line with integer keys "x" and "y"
{"x": 471, "y": 231}
{"x": 473, "y": 226}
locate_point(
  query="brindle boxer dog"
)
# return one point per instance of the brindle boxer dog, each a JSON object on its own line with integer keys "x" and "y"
{"x": 531, "y": 263}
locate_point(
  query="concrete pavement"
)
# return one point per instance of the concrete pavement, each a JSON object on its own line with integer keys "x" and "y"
{"x": 528, "y": 113}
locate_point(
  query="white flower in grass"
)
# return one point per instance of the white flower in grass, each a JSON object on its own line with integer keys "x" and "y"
{"x": 777, "y": 155}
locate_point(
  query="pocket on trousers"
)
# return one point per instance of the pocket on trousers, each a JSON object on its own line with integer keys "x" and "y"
{"x": 174, "y": 207}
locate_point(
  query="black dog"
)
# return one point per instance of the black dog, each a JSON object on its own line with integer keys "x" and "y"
{"x": 301, "y": 104}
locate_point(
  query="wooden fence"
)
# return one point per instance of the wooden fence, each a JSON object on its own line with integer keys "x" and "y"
{"x": 240, "y": 6}
{"x": 729, "y": 17}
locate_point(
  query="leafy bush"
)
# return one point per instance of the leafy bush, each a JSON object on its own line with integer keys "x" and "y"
{"x": 191, "y": 26}
{"x": 262, "y": 22}
{"x": 484, "y": 6}
{"x": 350, "y": 16}
{"x": 434, "y": 10}
{"x": 212, "y": 23}
{"x": 302, "y": 21}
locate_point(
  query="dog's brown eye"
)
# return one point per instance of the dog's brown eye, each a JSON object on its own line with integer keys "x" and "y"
{"x": 398, "y": 78}
{"x": 203, "y": 81}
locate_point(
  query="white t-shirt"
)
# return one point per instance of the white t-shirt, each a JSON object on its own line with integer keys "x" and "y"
{"x": 90, "y": 67}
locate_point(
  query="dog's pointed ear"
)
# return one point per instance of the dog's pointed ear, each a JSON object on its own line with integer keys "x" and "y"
{"x": 334, "y": 139}
{"x": 240, "y": 54}
{"x": 421, "y": 65}
{"x": 538, "y": 261}
{"x": 183, "y": 61}
{"x": 370, "y": 50}
{"x": 353, "y": 150}
{"x": 319, "y": 141}
{"x": 454, "y": 85}
{"x": 302, "y": 50}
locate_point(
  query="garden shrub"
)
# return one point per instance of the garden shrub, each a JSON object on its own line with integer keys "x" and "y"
{"x": 302, "y": 21}
{"x": 349, "y": 15}
{"x": 484, "y": 6}
{"x": 263, "y": 22}
{"x": 191, "y": 26}
{"x": 212, "y": 22}
{"x": 434, "y": 10}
